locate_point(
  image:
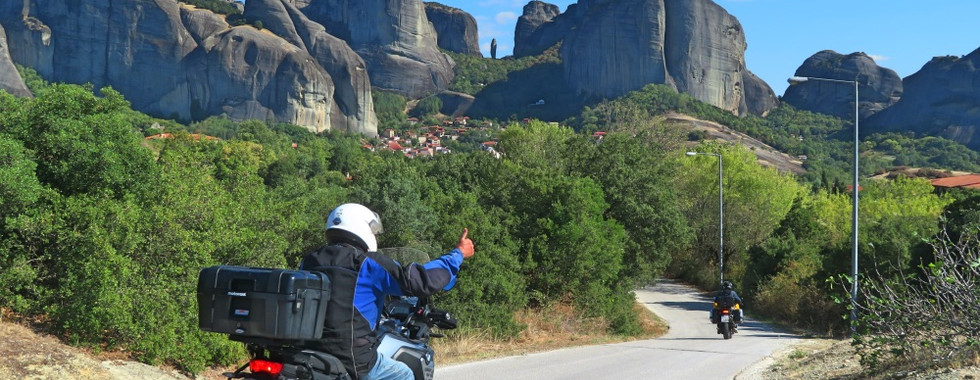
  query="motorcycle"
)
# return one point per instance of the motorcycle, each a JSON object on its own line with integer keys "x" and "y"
{"x": 404, "y": 332}
{"x": 727, "y": 317}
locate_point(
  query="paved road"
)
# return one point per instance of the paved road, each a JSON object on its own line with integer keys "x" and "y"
{"x": 690, "y": 350}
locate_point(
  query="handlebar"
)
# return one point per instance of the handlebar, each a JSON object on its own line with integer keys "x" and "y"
{"x": 441, "y": 319}
{"x": 410, "y": 311}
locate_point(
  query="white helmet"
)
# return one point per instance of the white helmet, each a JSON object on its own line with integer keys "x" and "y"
{"x": 354, "y": 223}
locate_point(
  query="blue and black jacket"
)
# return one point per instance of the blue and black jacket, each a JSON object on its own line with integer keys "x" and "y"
{"x": 359, "y": 282}
{"x": 727, "y": 298}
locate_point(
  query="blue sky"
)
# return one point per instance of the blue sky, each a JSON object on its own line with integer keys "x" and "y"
{"x": 901, "y": 35}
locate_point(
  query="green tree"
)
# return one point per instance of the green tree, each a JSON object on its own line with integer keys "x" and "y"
{"x": 756, "y": 200}
{"x": 427, "y": 107}
{"x": 84, "y": 144}
{"x": 637, "y": 175}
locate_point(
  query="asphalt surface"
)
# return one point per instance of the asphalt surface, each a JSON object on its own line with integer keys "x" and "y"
{"x": 691, "y": 349}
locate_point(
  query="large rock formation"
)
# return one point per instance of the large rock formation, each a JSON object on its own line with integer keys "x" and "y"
{"x": 694, "y": 46}
{"x": 176, "y": 61}
{"x": 878, "y": 87}
{"x": 941, "y": 99}
{"x": 619, "y": 50}
{"x": 456, "y": 29}
{"x": 395, "y": 39}
{"x": 759, "y": 97}
{"x": 352, "y": 86}
{"x": 10, "y": 80}
{"x": 535, "y": 29}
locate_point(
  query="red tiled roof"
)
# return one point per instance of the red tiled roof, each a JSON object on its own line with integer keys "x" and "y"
{"x": 194, "y": 136}
{"x": 969, "y": 180}
{"x": 395, "y": 146}
{"x": 160, "y": 136}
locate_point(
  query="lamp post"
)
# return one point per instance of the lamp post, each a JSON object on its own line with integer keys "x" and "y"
{"x": 854, "y": 192}
{"x": 721, "y": 216}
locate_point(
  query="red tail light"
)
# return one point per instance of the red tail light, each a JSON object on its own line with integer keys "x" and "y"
{"x": 265, "y": 366}
{"x": 725, "y": 311}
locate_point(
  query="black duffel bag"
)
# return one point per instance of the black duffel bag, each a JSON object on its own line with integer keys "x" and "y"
{"x": 311, "y": 365}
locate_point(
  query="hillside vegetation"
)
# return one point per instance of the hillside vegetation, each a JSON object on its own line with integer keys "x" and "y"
{"x": 509, "y": 88}
{"x": 104, "y": 232}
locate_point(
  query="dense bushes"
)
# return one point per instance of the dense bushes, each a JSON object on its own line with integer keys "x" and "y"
{"x": 390, "y": 109}
{"x": 217, "y": 6}
{"x": 826, "y": 141}
{"x": 104, "y": 232}
{"x": 105, "y": 241}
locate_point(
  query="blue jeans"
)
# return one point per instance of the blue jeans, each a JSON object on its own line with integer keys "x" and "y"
{"x": 389, "y": 369}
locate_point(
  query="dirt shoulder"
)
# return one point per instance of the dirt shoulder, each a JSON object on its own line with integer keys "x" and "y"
{"x": 30, "y": 354}
{"x": 825, "y": 359}
{"x": 33, "y": 355}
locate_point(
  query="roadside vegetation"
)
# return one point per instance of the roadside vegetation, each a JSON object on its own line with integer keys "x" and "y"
{"x": 104, "y": 232}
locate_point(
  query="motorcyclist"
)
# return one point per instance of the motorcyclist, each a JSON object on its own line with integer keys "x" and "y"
{"x": 727, "y": 296}
{"x": 361, "y": 278}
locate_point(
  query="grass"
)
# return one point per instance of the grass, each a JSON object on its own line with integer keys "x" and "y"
{"x": 553, "y": 327}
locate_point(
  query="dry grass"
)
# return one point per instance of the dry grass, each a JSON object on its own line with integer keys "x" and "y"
{"x": 835, "y": 359}
{"x": 31, "y": 354}
{"x": 556, "y": 326}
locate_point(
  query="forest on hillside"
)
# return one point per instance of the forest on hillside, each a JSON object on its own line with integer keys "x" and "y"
{"x": 104, "y": 232}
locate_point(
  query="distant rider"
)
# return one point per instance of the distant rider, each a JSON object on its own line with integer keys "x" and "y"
{"x": 727, "y": 296}
{"x": 360, "y": 278}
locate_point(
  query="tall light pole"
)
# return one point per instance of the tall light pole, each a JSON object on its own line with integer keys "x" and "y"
{"x": 721, "y": 216}
{"x": 854, "y": 194}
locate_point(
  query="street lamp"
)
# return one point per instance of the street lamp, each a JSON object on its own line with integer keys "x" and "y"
{"x": 854, "y": 196}
{"x": 721, "y": 216}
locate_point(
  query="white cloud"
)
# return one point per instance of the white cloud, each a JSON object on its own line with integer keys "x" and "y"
{"x": 505, "y": 17}
{"x": 878, "y": 58}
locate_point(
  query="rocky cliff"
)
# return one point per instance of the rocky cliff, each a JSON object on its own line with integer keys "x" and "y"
{"x": 352, "y": 86}
{"x": 395, "y": 39}
{"x": 456, "y": 30}
{"x": 941, "y": 99}
{"x": 760, "y": 98}
{"x": 694, "y": 46}
{"x": 878, "y": 87}
{"x": 177, "y": 61}
{"x": 10, "y": 80}
{"x": 537, "y": 29}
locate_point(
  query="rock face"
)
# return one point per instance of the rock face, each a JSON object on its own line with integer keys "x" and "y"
{"x": 395, "y": 39}
{"x": 352, "y": 86}
{"x": 878, "y": 87}
{"x": 535, "y": 29}
{"x": 10, "y": 80}
{"x": 456, "y": 29}
{"x": 760, "y": 99}
{"x": 941, "y": 99}
{"x": 600, "y": 62}
{"x": 455, "y": 103}
{"x": 613, "y": 47}
{"x": 176, "y": 61}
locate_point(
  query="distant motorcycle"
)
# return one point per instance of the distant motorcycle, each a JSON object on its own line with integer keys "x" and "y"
{"x": 278, "y": 313}
{"x": 727, "y": 317}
